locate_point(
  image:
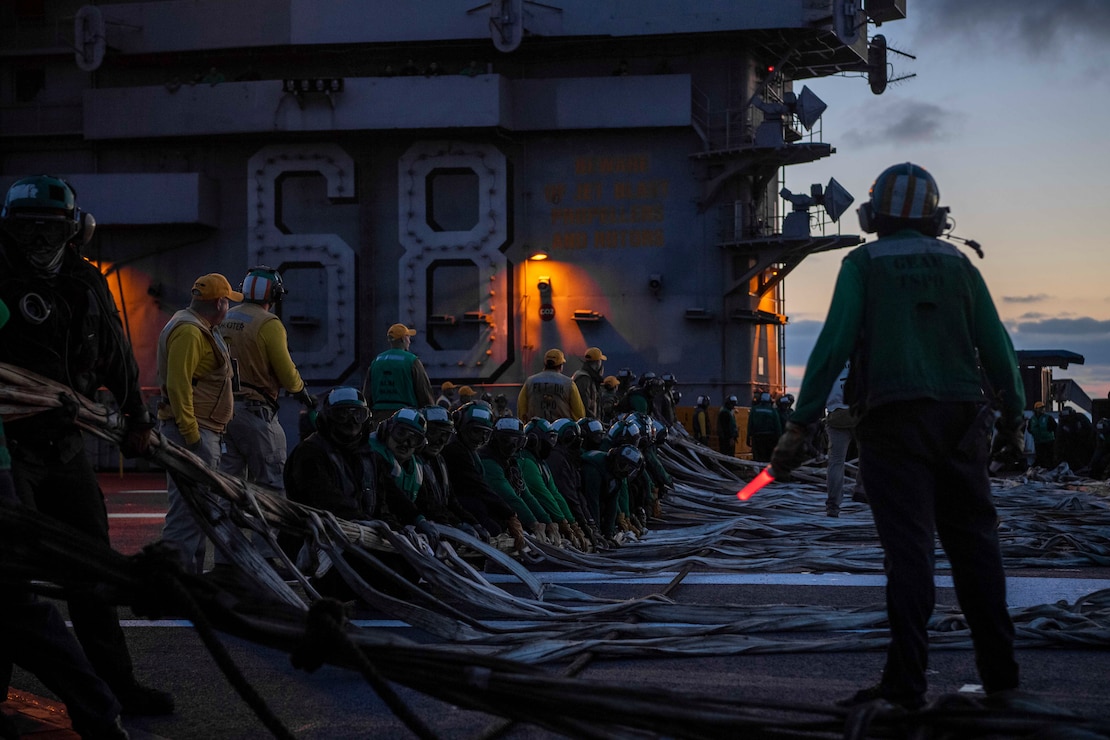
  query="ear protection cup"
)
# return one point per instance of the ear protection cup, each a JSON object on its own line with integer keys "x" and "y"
{"x": 86, "y": 225}
{"x": 866, "y": 218}
{"x": 940, "y": 220}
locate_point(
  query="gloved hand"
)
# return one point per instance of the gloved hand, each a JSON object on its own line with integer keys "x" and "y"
{"x": 581, "y": 541}
{"x": 539, "y": 532}
{"x": 517, "y": 531}
{"x": 429, "y": 530}
{"x": 195, "y": 447}
{"x": 553, "y": 536}
{"x": 638, "y": 527}
{"x": 305, "y": 398}
{"x": 791, "y": 450}
{"x": 137, "y": 437}
{"x": 598, "y": 538}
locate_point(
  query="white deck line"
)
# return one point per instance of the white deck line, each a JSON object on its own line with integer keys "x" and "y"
{"x": 1020, "y": 590}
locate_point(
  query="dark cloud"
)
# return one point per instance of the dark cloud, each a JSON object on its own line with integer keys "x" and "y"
{"x": 901, "y": 122}
{"x": 1025, "y": 299}
{"x": 1083, "y": 326}
{"x": 1038, "y": 28}
{"x": 804, "y": 329}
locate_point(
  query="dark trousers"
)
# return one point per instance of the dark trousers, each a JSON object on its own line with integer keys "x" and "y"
{"x": 762, "y": 446}
{"x": 34, "y": 637}
{"x": 920, "y": 486}
{"x": 67, "y": 490}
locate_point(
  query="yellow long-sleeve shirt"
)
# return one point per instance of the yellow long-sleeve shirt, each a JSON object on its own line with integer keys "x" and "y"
{"x": 191, "y": 354}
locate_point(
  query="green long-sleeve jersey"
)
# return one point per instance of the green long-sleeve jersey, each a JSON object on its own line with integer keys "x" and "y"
{"x": 542, "y": 485}
{"x": 917, "y": 321}
{"x": 523, "y": 503}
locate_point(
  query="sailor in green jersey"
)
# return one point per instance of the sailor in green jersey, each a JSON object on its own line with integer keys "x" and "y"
{"x": 917, "y": 322}
{"x": 605, "y": 482}
{"x": 396, "y": 378}
{"x": 503, "y": 474}
{"x": 399, "y": 474}
{"x": 540, "y": 438}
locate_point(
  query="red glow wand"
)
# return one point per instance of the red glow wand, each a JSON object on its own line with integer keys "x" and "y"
{"x": 766, "y": 476}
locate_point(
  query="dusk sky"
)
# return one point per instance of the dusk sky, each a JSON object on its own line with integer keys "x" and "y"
{"x": 1010, "y": 112}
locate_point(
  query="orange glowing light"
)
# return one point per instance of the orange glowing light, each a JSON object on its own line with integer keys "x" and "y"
{"x": 765, "y": 477}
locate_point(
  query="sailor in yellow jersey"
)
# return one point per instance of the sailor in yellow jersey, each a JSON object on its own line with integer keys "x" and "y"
{"x": 194, "y": 372}
{"x": 255, "y": 442}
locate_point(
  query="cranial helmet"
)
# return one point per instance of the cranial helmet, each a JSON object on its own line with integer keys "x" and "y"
{"x": 40, "y": 214}
{"x": 567, "y": 432}
{"x": 764, "y": 397}
{"x": 406, "y": 418}
{"x": 624, "y": 461}
{"x": 474, "y": 424}
{"x": 660, "y": 430}
{"x": 474, "y": 414}
{"x": 593, "y": 431}
{"x": 702, "y": 401}
{"x": 508, "y": 436}
{"x": 647, "y": 427}
{"x": 904, "y": 196}
{"x": 344, "y": 417}
{"x": 405, "y": 433}
{"x": 437, "y": 416}
{"x": 262, "y": 285}
{"x": 540, "y": 436}
{"x": 439, "y": 429}
{"x": 626, "y": 432}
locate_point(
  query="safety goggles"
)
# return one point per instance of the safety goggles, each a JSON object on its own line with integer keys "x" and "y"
{"x": 349, "y": 414}
{"x": 438, "y": 435}
{"x": 406, "y": 436}
{"x": 31, "y": 231}
{"x": 510, "y": 442}
{"x": 476, "y": 436}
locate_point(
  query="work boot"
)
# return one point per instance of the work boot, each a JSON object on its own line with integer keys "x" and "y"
{"x": 143, "y": 700}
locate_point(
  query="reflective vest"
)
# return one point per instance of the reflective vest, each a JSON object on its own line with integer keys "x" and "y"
{"x": 390, "y": 385}
{"x": 548, "y": 396}
{"x": 213, "y": 402}
{"x": 256, "y": 380}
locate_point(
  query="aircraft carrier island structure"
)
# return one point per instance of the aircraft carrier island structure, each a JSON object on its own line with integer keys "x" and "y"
{"x": 404, "y": 162}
